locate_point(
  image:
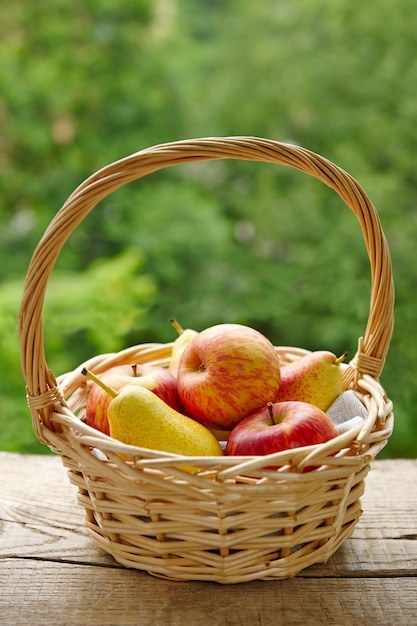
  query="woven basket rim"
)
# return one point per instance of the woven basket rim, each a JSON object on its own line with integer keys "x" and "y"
{"x": 354, "y": 446}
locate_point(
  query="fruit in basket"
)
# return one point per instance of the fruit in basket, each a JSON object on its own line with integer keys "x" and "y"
{"x": 226, "y": 372}
{"x": 316, "y": 378}
{"x": 156, "y": 379}
{"x": 138, "y": 417}
{"x": 280, "y": 426}
{"x": 179, "y": 345}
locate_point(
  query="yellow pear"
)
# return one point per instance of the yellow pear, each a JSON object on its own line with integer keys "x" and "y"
{"x": 185, "y": 336}
{"x": 315, "y": 378}
{"x": 138, "y": 417}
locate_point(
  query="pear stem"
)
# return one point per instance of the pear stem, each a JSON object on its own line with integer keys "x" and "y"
{"x": 341, "y": 358}
{"x": 98, "y": 381}
{"x": 176, "y": 325}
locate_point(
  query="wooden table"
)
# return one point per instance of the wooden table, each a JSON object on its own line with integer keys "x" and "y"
{"x": 52, "y": 574}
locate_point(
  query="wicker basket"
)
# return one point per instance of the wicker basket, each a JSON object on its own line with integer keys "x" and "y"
{"x": 231, "y": 520}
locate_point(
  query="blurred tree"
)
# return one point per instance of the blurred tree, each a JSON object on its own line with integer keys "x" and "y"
{"x": 85, "y": 83}
{"x": 84, "y": 314}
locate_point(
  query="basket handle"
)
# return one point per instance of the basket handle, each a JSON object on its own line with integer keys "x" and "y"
{"x": 373, "y": 347}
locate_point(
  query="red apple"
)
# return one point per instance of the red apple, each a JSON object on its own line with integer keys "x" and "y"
{"x": 226, "y": 372}
{"x": 156, "y": 379}
{"x": 279, "y": 426}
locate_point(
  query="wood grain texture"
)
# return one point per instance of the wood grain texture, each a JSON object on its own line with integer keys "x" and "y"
{"x": 53, "y": 594}
{"x": 52, "y": 574}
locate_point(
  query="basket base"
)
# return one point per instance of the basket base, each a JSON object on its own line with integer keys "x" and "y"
{"x": 177, "y": 570}
{"x": 260, "y": 540}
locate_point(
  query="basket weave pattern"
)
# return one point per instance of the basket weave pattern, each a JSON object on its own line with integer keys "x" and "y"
{"x": 232, "y": 520}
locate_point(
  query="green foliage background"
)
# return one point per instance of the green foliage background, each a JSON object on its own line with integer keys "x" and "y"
{"x": 83, "y": 84}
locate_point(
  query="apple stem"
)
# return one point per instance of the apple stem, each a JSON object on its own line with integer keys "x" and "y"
{"x": 270, "y": 407}
{"x": 341, "y": 358}
{"x": 98, "y": 381}
{"x": 135, "y": 370}
{"x": 176, "y": 325}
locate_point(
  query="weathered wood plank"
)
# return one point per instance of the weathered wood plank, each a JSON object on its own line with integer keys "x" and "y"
{"x": 52, "y": 594}
{"x": 390, "y": 500}
{"x": 39, "y": 514}
{"x": 41, "y": 519}
{"x": 52, "y": 574}
{"x": 27, "y": 481}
